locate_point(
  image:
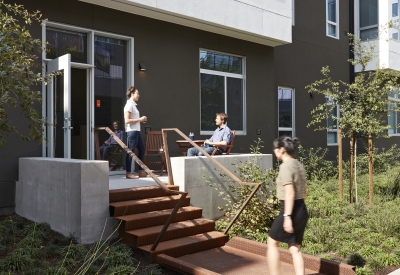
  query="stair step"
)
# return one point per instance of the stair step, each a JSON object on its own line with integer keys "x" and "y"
{"x": 145, "y": 205}
{"x": 127, "y": 194}
{"x": 143, "y": 236}
{"x": 154, "y": 218}
{"x": 187, "y": 245}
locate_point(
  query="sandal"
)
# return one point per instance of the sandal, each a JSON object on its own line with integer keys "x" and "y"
{"x": 131, "y": 176}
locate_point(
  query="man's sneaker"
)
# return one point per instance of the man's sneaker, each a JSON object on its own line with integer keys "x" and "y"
{"x": 131, "y": 176}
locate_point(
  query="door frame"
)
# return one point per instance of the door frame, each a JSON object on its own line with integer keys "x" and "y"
{"x": 90, "y": 76}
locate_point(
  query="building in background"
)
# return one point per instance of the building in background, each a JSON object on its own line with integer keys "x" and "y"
{"x": 191, "y": 59}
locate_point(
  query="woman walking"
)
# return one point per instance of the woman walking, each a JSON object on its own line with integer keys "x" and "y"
{"x": 289, "y": 226}
{"x": 132, "y": 127}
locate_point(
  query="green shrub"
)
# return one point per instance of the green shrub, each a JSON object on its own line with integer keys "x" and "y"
{"x": 369, "y": 251}
{"x": 356, "y": 260}
{"x": 150, "y": 270}
{"x": 50, "y": 251}
{"x": 67, "y": 263}
{"x": 316, "y": 165}
{"x": 116, "y": 258}
{"x": 37, "y": 230}
{"x": 363, "y": 271}
{"x": 73, "y": 251}
{"x": 258, "y": 215}
{"x": 121, "y": 270}
{"x": 56, "y": 270}
{"x": 16, "y": 262}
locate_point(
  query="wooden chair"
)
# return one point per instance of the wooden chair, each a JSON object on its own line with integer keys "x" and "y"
{"x": 116, "y": 157}
{"x": 155, "y": 148}
{"x": 228, "y": 147}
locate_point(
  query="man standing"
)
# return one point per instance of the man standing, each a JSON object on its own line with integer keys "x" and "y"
{"x": 105, "y": 150}
{"x": 222, "y": 136}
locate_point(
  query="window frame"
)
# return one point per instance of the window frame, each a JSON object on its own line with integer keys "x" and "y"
{"x": 225, "y": 75}
{"x": 333, "y": 130}
{"x": 394, "y": 19}
{"x": 395, "y": 113}
{"x": 293, "y": 128}
{"x": 328, "y": 22}
{"x": 91, "y": 33}
{"x": 358, "y": 18}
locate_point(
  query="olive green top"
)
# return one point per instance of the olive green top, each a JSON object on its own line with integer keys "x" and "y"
{"x": 291, "y": 172}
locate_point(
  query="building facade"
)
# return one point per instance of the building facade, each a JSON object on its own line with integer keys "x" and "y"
{"x": 189, "y": 59}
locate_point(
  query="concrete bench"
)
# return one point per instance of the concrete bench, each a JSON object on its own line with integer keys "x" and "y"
{"x": 188, "y": 176}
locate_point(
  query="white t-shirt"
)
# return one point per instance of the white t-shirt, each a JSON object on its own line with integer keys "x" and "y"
{"x": 130, "y": 106}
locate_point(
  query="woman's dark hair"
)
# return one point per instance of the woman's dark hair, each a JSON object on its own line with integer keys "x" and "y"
{"x": 290, "y": 144}
{"x": 130, "y": 90}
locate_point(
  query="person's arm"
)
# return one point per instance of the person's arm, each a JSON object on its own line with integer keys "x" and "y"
{"x": 108, "y": 141}
{"x": 215, "y": 143}
{"x": 133, "y": 120}
{"x": 289, "y": 203}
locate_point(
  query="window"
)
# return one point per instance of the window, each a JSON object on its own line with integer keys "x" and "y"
{"x": 368, "y": 19}
{"x": 332, "y": 20}
{"x": 395, "y": 18}
{"x": 332, "y": 123}
{"x": 221, "y": 90}
{"x": 286, "y": 112}
{"x": 293, "y": 12}
{"x": 62, "y": 42}
{"x": 394, "y": 114}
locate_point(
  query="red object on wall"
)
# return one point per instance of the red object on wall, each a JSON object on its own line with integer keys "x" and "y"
{"x": 98, "y": 103}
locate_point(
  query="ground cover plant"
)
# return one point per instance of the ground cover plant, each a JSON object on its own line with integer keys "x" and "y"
{"x": 34, "y": 249}
{"x": 366, "y": 236}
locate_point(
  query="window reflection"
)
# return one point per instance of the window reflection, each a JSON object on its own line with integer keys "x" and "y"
{"x": 61, "y": 42}
{"x": 220, "y": 62}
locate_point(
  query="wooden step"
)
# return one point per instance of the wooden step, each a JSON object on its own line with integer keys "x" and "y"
{"x": 187, "y": 245}
{"x": 143, "y": 236}
{"x": 136, "y": 193}
{"x": 149, "y": 219}
{"x": 121, "y": 208}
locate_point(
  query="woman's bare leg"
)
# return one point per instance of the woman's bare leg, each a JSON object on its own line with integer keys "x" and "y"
{"x": 273, "y": 257}
{"x": 298, "y": 261}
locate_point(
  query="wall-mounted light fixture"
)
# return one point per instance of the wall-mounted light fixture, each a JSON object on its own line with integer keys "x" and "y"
{"x": 142, "y": 66}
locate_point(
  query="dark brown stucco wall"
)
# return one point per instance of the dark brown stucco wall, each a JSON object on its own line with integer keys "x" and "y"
{"x": 170, "y": 87}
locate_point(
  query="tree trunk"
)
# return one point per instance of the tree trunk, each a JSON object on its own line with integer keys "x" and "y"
{"x": 351, "y": 167}
{"x": 355, "y": 168}
{"x": 371, "y": 189}
{"x": 340, "y": 163}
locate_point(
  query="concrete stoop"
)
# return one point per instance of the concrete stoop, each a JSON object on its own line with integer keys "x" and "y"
{"x": 191, "y": 245}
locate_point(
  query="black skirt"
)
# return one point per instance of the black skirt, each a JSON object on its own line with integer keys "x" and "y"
{"x": 299, "y": 220}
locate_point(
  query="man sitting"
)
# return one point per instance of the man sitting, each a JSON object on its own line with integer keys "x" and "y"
{"x": 222, "y": 136}
{"x": 105, "y": 150}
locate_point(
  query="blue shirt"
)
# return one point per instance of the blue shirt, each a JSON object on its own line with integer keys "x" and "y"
{"x": 222, "y": 134}
{"x": 119, "y": 134}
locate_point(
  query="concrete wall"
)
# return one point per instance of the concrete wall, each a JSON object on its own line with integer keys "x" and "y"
{"x": 188, "y": 174}
{"x": 70, "y": 195}
{"x": 266, "y": 22}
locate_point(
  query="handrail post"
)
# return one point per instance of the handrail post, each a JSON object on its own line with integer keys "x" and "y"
{"x": 168, "y": 222}
{"x": 242, "y": 208}
{"x": 167, "y": 158}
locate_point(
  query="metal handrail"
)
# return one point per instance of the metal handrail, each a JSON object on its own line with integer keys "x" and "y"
{"x": 229, "y": 173}
{"x": 158, "y": 181}
{"x": 171, "y": 179}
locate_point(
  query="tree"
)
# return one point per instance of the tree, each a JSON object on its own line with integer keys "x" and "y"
{"x": 363, "y": 104}
{"x": 19, "y": 70}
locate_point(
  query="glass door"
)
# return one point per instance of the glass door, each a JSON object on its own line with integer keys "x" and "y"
{"x": 59, "y": 107}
